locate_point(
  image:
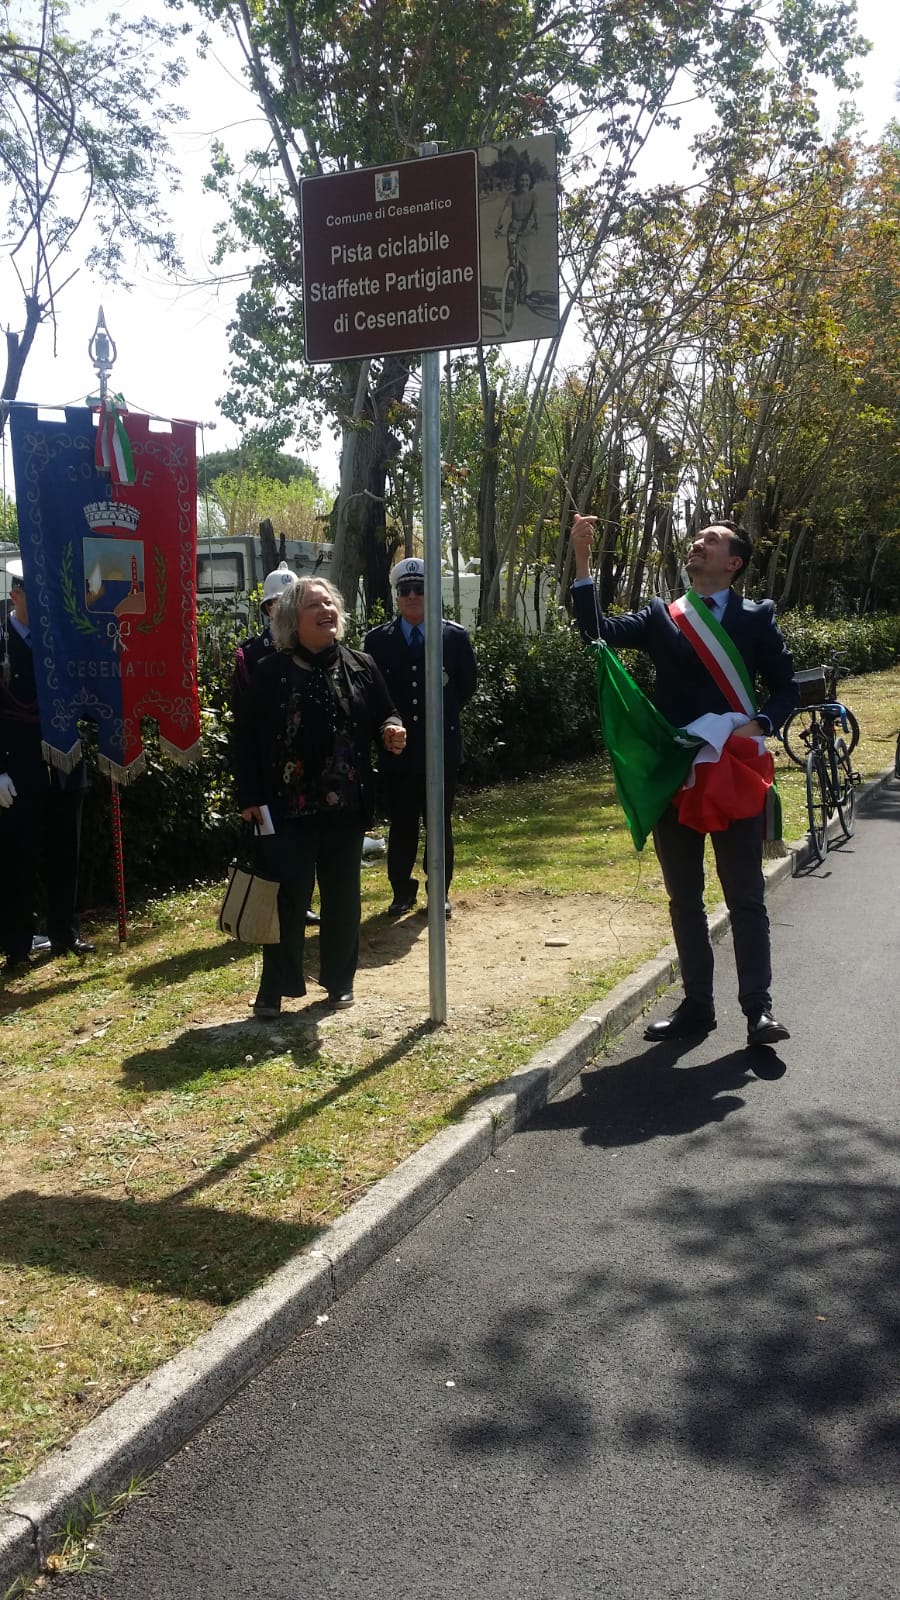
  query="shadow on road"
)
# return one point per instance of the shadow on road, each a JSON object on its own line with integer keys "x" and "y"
{"x": 756, "y": 1328}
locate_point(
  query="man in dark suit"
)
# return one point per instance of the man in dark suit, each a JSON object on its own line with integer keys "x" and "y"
{"x": 684, "y": 690}
{"x": 40, "y": 808}
{"x": 398, "y": 648}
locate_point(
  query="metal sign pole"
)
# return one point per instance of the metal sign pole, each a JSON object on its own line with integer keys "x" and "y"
{"x": 434, "y": 685}
{"x": 391, "y": 265}
{"x": 434, "y": 677}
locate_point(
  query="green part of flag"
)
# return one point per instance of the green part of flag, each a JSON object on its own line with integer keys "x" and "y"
{"x": 650, "y": 759}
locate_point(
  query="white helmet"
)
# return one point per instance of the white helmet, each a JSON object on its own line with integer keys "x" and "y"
{"x": 278, "y": 581}
{"x": 409, "y": 567}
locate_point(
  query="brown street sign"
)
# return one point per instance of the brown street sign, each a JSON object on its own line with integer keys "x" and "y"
{"x": 390, "y": 258}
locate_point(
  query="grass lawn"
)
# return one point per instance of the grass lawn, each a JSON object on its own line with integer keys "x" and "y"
{"x": 161, "y": 1154}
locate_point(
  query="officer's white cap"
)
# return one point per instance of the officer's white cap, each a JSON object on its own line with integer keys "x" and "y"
{"x": 409, "y": 567}
{"x": 14, "y": 568}
{"x": 278, "y": 581}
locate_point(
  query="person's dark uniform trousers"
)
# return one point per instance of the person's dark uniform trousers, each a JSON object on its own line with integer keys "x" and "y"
{"x": 40, "y": 808}
{"x": 398, "y": 648}
{"x": 684, "y": 690}
{"x": 259, "y": 646}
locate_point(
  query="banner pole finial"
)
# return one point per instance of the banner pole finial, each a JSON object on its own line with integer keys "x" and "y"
{"x": 102, "y": 351}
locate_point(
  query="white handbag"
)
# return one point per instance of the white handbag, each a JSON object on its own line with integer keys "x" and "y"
{"x": 250, "y": 907}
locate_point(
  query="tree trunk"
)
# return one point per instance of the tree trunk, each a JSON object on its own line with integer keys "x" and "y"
{"x": 362, "y": 550}
{"x": 612, "y": 529}
{"x": 788, "y": 590}
{"x": 489, "y": 590}
{"x": 18, "y": 346}
{"x": 268, "y": 547}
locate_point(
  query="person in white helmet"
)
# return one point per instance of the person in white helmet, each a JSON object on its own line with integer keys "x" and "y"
{"x": 398, "y": 648}
{"x": 251, "y": 651}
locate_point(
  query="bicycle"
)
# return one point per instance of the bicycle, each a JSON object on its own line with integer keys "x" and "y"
{"x": 818, "y": 695}
{"x": 515, "y": 284}
{"x": 897, "y": 758}
{"x": 811, "y": 740}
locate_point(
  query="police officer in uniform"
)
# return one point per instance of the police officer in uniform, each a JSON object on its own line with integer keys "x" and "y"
{"x": 398, "y": 648}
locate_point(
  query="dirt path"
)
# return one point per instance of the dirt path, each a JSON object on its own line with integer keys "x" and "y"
{"x": 503, "y": 950}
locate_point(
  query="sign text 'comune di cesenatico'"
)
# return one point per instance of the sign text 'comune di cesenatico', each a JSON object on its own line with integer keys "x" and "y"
{"x": 390, "y": 258}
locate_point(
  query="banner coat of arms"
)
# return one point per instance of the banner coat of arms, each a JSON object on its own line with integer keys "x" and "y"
{"x": 110, "y": 573}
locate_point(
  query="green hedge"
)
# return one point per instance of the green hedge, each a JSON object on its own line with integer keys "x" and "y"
{"x": 862, "y": 644}
{"x": 534, "y": 707}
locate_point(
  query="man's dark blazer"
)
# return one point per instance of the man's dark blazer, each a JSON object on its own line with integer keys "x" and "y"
{"x": 404, "y": 675}
{"x": 684, "y": 688}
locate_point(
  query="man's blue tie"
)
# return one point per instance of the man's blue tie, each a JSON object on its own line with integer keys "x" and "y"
{"x": 416, "y": 640}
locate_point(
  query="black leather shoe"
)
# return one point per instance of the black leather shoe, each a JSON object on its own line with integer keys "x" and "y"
{"x": 764, "y": 1029}
{"x": 402, "y": 903}
{"x": 341, "y": 1002}
{"x": 313, "y": 919}
{"x": 267, "y": 1006}
{"x": 72, "y": 947}
{"x": 690, "y": 1020}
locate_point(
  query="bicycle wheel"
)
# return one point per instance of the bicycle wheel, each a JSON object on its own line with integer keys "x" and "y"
{"x": 797, "y": 734}
{"x": 508, "y": 299}
{"x": 817, "y": 804}
{"x": 846, "y": 788}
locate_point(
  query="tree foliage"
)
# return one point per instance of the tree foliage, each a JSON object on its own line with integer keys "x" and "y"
{"x": 348, "y": 84}
{"x": 83, "y": 155}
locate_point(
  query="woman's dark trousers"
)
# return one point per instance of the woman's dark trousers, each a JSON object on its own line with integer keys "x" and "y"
{"x": 330, "y": 848}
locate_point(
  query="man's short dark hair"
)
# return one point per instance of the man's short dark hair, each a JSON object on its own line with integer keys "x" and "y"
{"x": 739, "y": 543}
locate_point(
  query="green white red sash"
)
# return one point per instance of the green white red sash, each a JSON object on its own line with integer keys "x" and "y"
{"x": 738, "y": 784}
{"x": 716, "y": 650}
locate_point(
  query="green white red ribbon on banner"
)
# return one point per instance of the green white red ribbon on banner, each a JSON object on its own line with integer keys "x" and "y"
{"x": 113, "y": 451}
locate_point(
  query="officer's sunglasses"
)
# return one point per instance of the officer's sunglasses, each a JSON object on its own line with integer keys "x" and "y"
{"x": 411, "y": 588}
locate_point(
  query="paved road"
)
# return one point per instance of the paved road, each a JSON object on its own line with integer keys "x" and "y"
{"x": 652, "y": 1350}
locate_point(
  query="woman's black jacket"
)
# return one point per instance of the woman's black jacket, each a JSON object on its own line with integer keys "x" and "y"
{"x": 260, "y": 725}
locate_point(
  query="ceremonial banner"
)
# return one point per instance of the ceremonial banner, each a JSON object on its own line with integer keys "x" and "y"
{"x": 110, "y": 571}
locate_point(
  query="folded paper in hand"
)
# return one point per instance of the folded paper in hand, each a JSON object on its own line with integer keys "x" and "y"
{"x": 250, "y": 907}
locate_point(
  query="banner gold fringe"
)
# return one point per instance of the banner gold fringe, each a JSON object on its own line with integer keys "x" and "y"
{"x": 122, "y": 775}
{"x": 184, "y": 758}
{"x": 62, "y": 760}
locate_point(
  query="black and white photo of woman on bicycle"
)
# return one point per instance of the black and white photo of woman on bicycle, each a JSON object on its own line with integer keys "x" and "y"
{"x": 520, "y": 211}
{"x": 518, "y": 206}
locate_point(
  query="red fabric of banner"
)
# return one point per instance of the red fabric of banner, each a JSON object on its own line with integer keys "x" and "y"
{"x": 156, "y": 641}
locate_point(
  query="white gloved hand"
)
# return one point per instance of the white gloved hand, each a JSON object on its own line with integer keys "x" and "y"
{"x": 7, "y": 790}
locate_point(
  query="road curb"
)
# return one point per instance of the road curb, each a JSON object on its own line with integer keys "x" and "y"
{"x": 159, "y": 1414}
